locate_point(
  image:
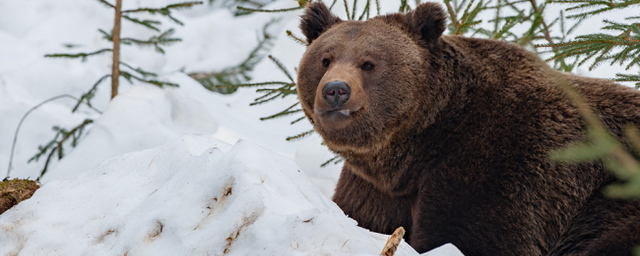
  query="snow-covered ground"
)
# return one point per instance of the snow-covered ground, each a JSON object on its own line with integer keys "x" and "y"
{"x": 194, "y": 196}
{"x": 136, "y": 184}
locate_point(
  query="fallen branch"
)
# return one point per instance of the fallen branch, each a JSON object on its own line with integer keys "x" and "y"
{"x": 393, "y": 242}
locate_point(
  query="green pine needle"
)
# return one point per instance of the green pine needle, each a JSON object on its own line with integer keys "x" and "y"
{"x": 296, "y": 38}
{"x": 335, "y": 160}
{"x": 281, "y": 67}
{"x": 332, "y": 4}
{"x": 300, "y": 136}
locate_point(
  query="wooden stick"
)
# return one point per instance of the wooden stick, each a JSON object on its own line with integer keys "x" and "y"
{"x": 393, "y": 242}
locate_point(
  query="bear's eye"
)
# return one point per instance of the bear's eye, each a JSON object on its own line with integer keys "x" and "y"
{"x": 326, "y": 62}
{"x": 367, "y": 66}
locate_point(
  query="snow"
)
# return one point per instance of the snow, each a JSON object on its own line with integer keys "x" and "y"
{"x": 144, "y": 179}
{"x": 196, "y": 195}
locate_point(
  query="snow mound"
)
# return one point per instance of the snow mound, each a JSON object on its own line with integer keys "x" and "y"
{"x": 194, "y": 196}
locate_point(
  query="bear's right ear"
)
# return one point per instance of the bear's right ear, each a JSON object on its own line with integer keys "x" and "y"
{"x": 316, "y": 20}
{"x": 427, "y": 21}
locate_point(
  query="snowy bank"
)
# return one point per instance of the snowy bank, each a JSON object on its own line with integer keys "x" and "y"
{"x": 194, "y": 196}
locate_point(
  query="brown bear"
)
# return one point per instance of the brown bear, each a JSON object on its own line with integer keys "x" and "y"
{"x": 449, "y": 138}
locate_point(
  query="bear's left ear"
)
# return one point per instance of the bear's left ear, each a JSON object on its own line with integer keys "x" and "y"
{"x": 316, "y": 20}
{"x": 428, "y": 21}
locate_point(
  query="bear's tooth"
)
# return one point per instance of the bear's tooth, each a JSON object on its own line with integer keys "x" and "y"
{"x": 345, "y": 112}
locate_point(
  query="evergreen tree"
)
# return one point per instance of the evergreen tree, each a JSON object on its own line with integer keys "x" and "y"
{"x": 130, "y": 73}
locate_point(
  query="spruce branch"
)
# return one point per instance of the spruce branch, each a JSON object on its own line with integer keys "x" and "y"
{"x": 284, "y": 112}
{"x": 298, "y": 120}
{"x": 140, "y": 70}
{"x": 452, "y": 15}
{"x": 262, "y": 84}
{"x": 15, "y": 136}
{"x": 264, "y": 98}
{"x": 332, "y": 4}
{"x": 88, "y": 96}
{"x": 274, "y": 94}
{"x": 404, "y": 6}
{"x": 130, "y": 77}
{"x": 346, "y": 9}
{"x": 462, "y": 24}
{"x": 147, "y": 23}
{"x": 286, "y": 91}
{"x": 601, "y": 45}
{"x": 469, "y": 16}
{"x": 77, "y": 55}
{"x": 629, "y": 78}
{"x": 591, "y": 8}
{"x": 166, "y": 11}
{"x": 106, "y": 36}
{"x": 144, "y": 75}
{"x": 300, "y": 136}
{"x": 163, "y": 39}
{"x": 107, "y": 3}
{"x": 57, "y": 145}
{"x": 536, "y": 20}
{"x": 510, "y": 22}
{"x": 296, "y": 38}
{"x": 365, "y": 10}
{"x": 250, "y": 10}
{"x": 353, "y": 11}
{"x": 281, "y": 67}
{"x": 335, "y": 160}
{"x": 539, "y": 11}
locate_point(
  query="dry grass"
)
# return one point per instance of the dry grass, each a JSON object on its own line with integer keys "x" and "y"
{"x": 15, "y": 191}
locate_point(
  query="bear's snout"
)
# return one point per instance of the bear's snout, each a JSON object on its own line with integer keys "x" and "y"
{"x": 336, "y": 93}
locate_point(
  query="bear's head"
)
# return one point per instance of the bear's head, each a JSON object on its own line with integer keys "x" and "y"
{"x": 361, "y": 82}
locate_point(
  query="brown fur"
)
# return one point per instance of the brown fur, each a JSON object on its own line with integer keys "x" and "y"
{"x": 449, "y": 136}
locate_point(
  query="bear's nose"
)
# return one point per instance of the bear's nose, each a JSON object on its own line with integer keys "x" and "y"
{"x": 336, "y": 93}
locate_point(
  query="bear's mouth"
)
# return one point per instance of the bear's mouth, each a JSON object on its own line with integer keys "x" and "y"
{"x": 337, "y": 118}
{"x": 345, "y": 112}
{"x": 339, "y": 113}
